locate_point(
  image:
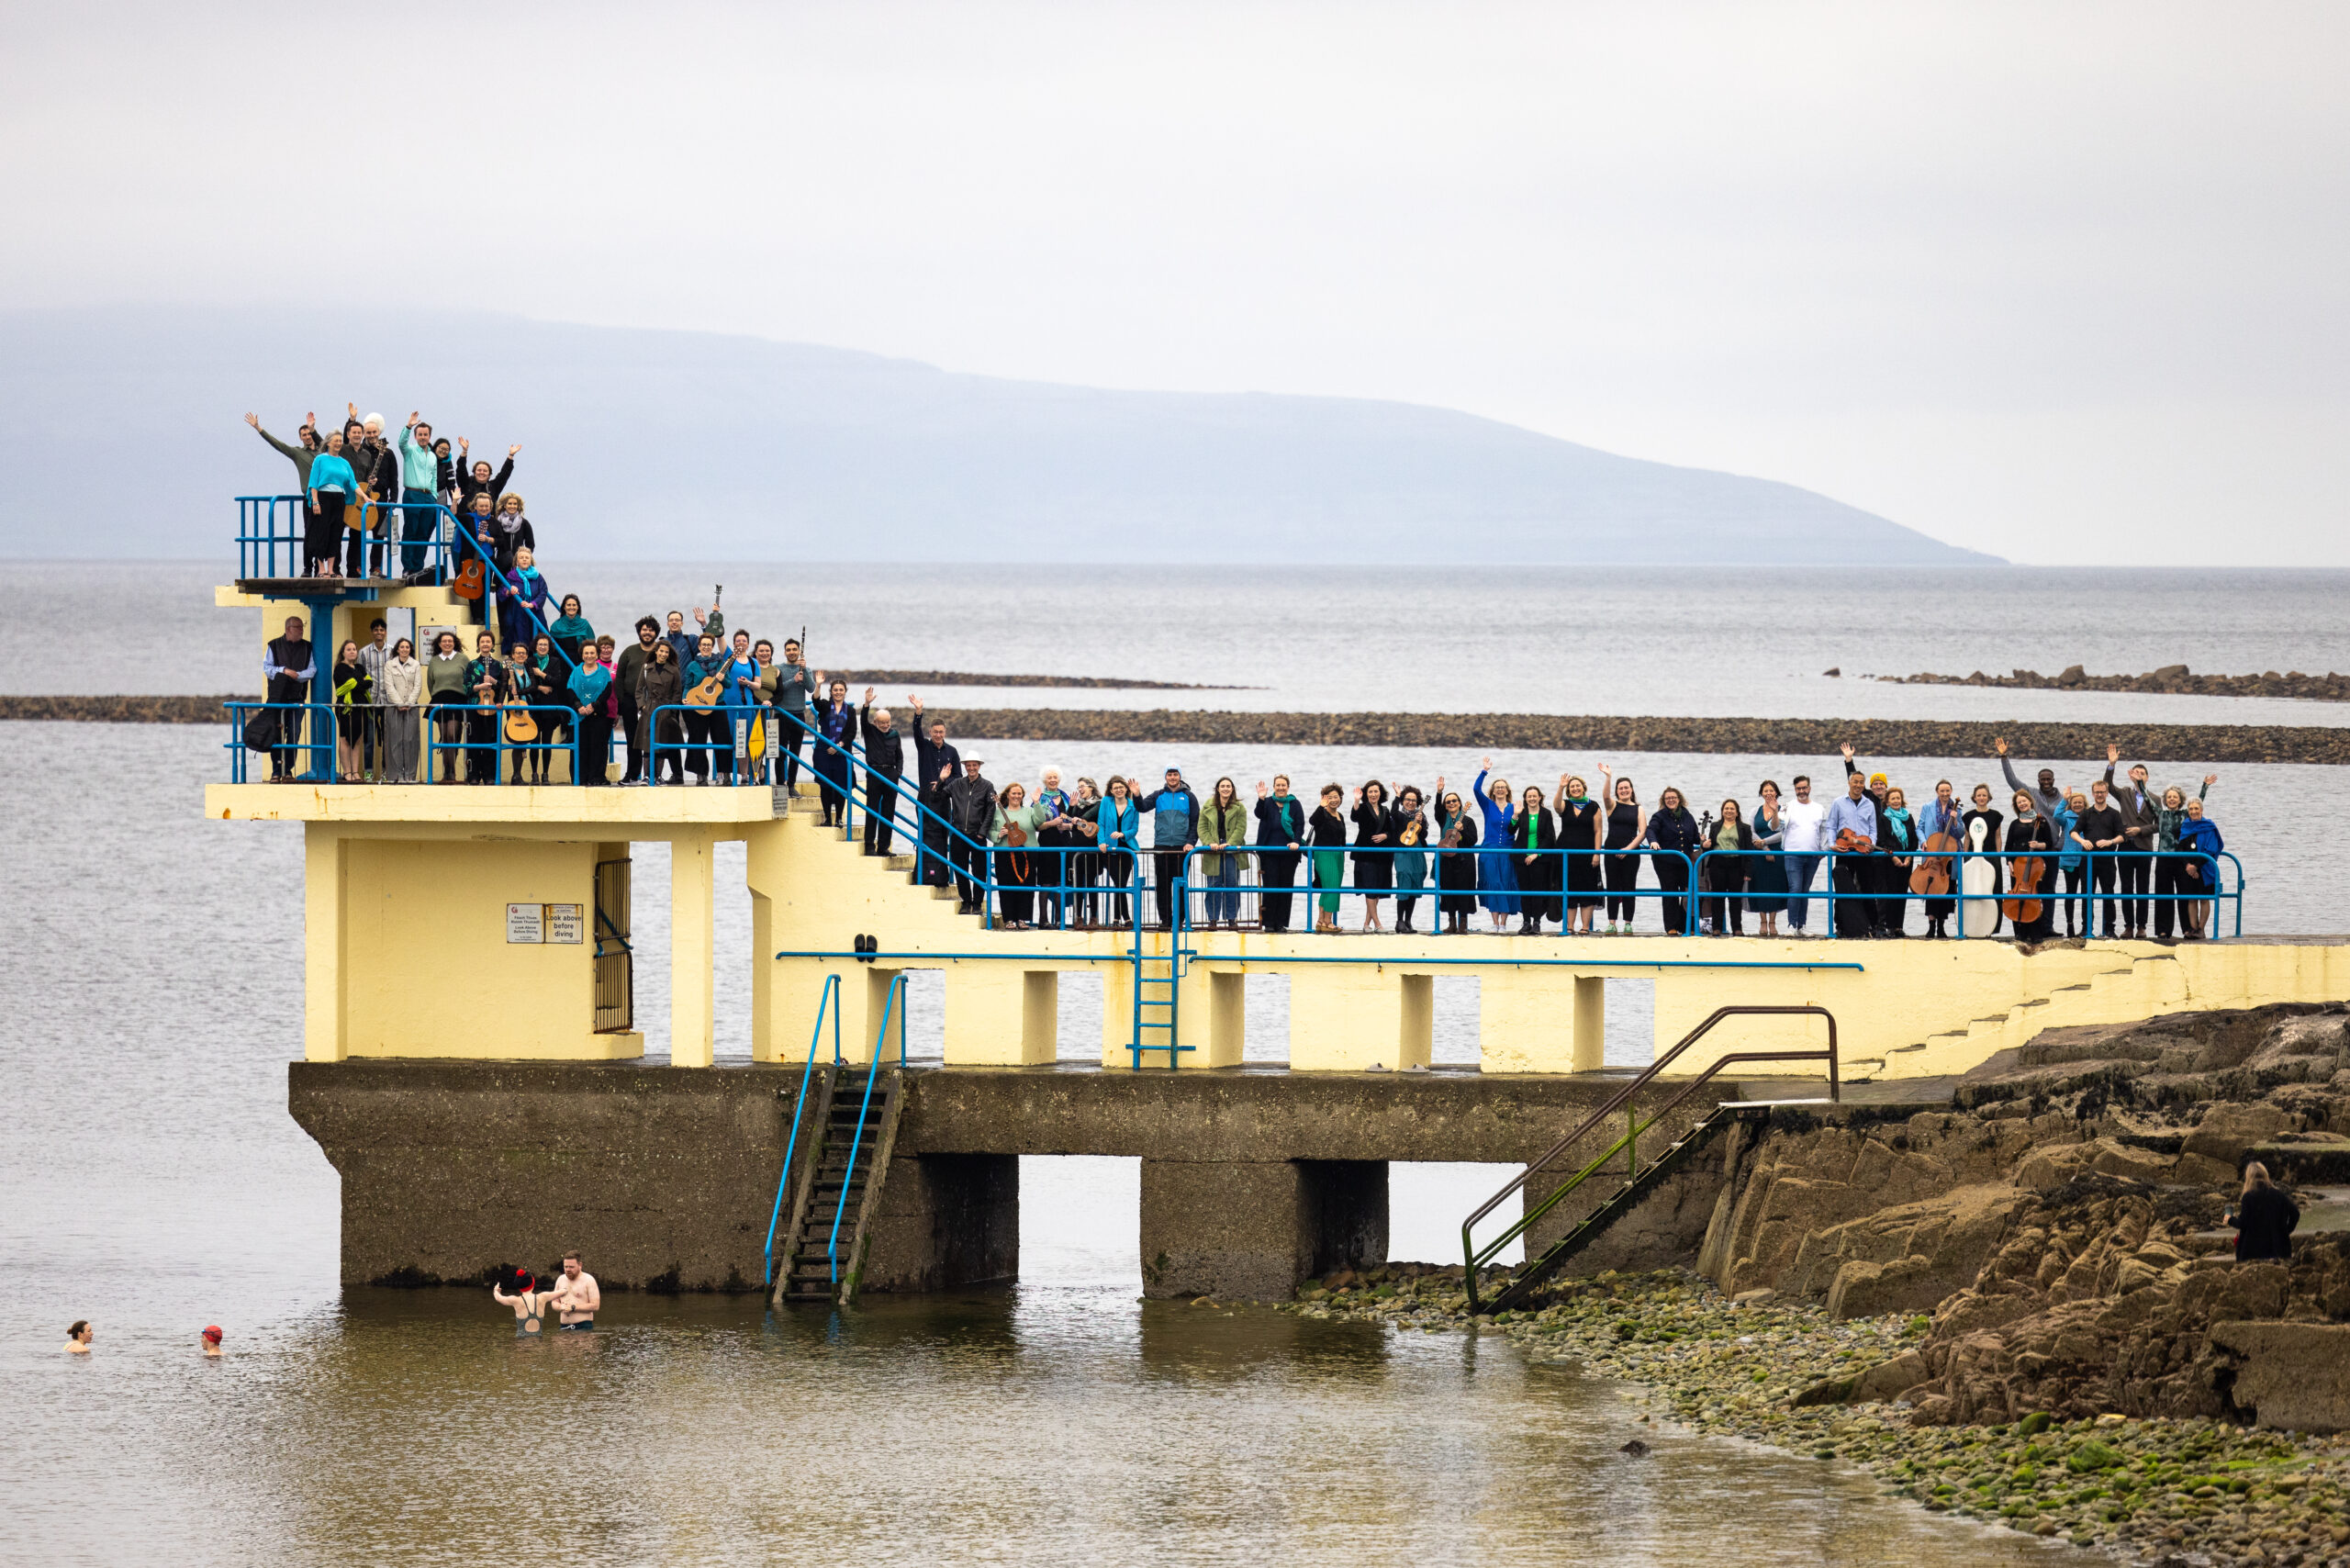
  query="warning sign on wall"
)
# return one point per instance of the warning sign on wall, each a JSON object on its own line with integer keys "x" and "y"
{"x": 563, "y": 923}
{"x": 540, "y": 923}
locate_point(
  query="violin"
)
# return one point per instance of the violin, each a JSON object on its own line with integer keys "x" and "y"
{"x": 1931, "y": 878}
{"x": 1851, "y": 842}
{"x": 2024, "y": 877}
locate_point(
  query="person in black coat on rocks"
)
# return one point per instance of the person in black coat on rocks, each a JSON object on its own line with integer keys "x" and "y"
{"x": 2264, "y": 1218}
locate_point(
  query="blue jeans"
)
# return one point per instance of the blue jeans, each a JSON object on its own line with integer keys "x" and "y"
{"x": 1799, "y": 871}
{"x": 420, "y": 516}
{"x": 1223, "y": 902}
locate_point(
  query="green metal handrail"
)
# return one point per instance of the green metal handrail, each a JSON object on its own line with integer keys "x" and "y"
{"x": 1476, "y": 1257}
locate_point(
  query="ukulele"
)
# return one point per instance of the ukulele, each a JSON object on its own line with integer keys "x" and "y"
{"x": 1931, "y": 878}
{"x": 710, "y": 692}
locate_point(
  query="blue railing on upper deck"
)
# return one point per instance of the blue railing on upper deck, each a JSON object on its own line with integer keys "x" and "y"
{"x": 271, "y": 546}
{"x": 453, "y": 742}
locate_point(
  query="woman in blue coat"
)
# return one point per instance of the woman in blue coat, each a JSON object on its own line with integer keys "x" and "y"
{"x": 1496, "y": 875}
{"x": 2199, "y": 835}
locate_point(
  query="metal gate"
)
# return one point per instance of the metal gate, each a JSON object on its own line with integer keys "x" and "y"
{"x": 615, "y": 960}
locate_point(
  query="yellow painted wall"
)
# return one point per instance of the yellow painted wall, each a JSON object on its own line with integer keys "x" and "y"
{"x": 426, "y": 968}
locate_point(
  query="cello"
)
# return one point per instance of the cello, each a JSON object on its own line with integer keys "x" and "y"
{"x": 1931, "y": 878}
{"x": 2025, "y": 879}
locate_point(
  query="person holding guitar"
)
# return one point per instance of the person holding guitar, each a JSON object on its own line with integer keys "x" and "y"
{"x": 705, "y": 681}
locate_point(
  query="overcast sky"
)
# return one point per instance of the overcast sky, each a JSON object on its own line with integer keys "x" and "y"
{"x": 2065, "y": 282}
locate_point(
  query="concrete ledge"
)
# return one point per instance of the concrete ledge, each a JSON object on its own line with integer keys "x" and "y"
{"x": 2295, "y": 1375}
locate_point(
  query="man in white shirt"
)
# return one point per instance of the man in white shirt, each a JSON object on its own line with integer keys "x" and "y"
{"x": 576, "y": 1296}
{"x": 1803, "y": 830}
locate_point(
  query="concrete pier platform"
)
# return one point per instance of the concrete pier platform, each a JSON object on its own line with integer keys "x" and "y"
{"x": 1252, "y": 1180}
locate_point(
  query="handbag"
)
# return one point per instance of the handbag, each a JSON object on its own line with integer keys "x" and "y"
{"x": 261, "y": 731}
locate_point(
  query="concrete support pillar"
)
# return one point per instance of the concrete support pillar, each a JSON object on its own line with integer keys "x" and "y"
{"x": 1253, "y": 1231}
{"x": 1346, "y": 1017}
{"x": 326, "y": 979}
{"x": 693, "y": 940}
{"x": 1001, "y": 1016}
{"x": 1541, "y": 1020}
{"x": 945, "y": 1221}
{"x": 798, "y": 988}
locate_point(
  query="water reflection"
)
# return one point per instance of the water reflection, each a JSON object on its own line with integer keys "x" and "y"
{"x": 1041, "y": 1426}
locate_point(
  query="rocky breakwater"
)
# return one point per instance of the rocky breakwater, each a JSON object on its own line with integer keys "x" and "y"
{"x": 2174, "y": 680}
{"x": 1784, "y": 1371}
{"x": 2022, "y": 1307}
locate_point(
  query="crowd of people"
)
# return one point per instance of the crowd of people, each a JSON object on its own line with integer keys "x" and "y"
{"x": 1529, "y": 861}
{"x": 534, "y": 681}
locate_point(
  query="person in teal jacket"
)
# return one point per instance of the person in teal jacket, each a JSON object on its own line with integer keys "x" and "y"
{"x": 592, "y": 693}
{"x": 1118, "y": 821}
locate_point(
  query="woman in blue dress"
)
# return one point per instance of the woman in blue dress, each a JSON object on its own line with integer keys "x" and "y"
{"x": 1497, "y": 878}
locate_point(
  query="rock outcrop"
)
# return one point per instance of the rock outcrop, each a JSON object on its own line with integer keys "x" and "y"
{"x": 2062, "y": 1227}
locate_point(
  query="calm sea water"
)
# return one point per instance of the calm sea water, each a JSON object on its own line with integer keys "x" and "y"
{"x": 1693, "y": 641}
{"x": 151, "y": 964}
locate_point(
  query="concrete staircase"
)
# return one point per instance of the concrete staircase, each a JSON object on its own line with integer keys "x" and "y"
{"x": 2138, "y": 984}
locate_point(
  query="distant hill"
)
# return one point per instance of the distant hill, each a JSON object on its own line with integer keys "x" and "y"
{"x": 121, "y": 435}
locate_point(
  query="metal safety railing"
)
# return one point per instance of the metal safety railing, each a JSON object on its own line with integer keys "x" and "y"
{"x": 455, "y": 743}
{"x": 894, "y": 1001}
{"x": 1476, "y": 1257}
{"x": 1724, "y": 879}
{"x": 827, "y": 1003}
{"x": 271, "y": 545}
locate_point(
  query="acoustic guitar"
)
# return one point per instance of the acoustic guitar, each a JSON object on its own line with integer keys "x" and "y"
{"x": 520, "y": 728}
{"x": 468, "y": 580}
{"x": 710, "y": 692}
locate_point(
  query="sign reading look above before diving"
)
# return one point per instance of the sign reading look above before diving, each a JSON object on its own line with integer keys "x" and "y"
{"x": 540, "y": 923}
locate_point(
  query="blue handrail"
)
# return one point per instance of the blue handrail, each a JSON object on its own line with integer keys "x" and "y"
{"x": 828, "y": 997}
{"x": 872, "y": 1071}
{"x": 261, "y": 539}
{"x": 430, "y": 745}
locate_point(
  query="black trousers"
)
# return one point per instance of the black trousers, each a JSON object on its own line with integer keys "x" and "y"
{"x": 1166, "y": 862}
{"x": 1277, "y": 869}
{"x": 1856, "y": 914}
{"x": 595, "y": 749}
{"x": 1622, "y": 871}
{"x": 2101, "y": 869}
{"x": 321, "y": 532}
{"x": 832, "y": 782}
{"x": 1726, "y": 912}
{"x": 285, "y": 756}
{"x": 1893, "y": 909}
{"x": 970, "y": 871}
{"x": 1118, "y": 875}
{"x": 880, "y": 801}
{"x": 703, "y": 727}
{"x": 934, "y": 866}
{"x": 2137, "y": 876}
{"x": 2168, "y": 880}
{"x": 630, "y": 722}
{"x": 2075, "y": 905}
{"x": 1672, "y": 876}
{"x": 481, "y": 734}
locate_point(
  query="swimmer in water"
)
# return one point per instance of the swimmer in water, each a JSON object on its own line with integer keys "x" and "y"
{"x": 212, "y": 1340}
{"x": 526, "y": 1300}
{"x": 78, "y": 1338}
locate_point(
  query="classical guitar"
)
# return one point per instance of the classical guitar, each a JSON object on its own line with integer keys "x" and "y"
{"x": 469, "y": 579}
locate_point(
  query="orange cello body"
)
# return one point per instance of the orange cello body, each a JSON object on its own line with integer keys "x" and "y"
{"x": 2025, "y": 879}
{"x": 1931, "y": 878}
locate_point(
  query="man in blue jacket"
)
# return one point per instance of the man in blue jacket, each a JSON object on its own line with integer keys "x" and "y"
{"x": 1174, "y": 814}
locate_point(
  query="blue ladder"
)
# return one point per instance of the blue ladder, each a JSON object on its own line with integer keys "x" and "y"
{"x": 1156, "y": 982}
